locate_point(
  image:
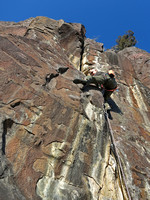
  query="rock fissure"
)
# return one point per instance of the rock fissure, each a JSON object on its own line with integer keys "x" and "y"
{"x": 55, "y": 139}
{"x": 13, "y": 105}
{"x": 88, "y": 176}
{"x": 82, "y": 50}
{"x": 29, "y": 131}
{"x": 49, "y": 77}
{"x": 7, "y": 124}
{"x": 62, "y": 70}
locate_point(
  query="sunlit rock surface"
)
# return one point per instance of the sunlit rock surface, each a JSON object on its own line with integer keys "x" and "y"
{"x": 55, "y": 140}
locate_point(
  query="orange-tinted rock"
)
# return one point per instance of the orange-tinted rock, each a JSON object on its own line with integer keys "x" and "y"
{"x": 55, "y": 140}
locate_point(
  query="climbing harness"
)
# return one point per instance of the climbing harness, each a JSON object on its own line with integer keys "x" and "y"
{"x": 116, "y": 152}
{"x": 111, "y": 90}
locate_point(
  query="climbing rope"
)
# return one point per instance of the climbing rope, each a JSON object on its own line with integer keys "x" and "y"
{"x": 117, "y": 155}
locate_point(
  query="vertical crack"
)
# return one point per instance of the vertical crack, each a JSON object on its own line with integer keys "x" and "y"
{"x": 6, "y": 125}
{"x": 82, "y": 47}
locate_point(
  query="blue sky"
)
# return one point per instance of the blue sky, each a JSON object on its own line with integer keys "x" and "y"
{"x": 104, "y": 20}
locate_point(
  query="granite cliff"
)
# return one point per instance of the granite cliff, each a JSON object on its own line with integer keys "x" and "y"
{"x": 54, "y": 137}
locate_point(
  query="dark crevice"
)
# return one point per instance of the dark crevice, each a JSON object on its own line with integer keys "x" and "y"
{"x": 6, "y": 125}
{"x": 82, "y": 47}
{"x": 49, "y": 77}
{"x": 13, "y": 105}
{"x": 62, "y": 70}
{"x": 146, "y": 61}
{"x": 27, "y": 32}
{"x": 29, "y": 132}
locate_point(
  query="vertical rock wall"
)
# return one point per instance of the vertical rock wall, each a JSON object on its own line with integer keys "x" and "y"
{"x": 55, "y": 140}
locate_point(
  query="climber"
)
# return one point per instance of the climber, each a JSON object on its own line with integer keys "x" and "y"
{"x": 106, "y": 81}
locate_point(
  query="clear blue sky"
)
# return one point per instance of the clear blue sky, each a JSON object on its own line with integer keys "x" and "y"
{"x": 104, "y": 20}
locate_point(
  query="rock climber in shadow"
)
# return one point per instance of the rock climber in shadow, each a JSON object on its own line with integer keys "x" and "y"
{"x": 105, "y": 81}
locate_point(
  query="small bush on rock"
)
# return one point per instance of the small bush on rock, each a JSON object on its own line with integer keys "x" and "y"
{"x": 127, "y": 40}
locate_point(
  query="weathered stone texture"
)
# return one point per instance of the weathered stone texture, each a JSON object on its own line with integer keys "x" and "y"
{"x": 133, "y": 128}
{"x": 54, "y": 137}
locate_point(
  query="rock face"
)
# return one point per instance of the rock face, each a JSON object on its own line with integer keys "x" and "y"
{"x": 54, "y": 136}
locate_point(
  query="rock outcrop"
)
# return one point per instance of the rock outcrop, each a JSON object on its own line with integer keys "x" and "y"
{"x": 54, "y": 136}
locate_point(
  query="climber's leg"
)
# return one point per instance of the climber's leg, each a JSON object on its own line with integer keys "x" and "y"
{"x": 106, "y": 95}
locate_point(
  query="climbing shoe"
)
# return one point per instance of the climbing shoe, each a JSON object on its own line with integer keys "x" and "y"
{"x": 78, "y": 81}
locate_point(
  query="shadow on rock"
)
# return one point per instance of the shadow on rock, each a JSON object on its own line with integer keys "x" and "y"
{"x": 114, "y": 108}
{"x": 112, "y": 104}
